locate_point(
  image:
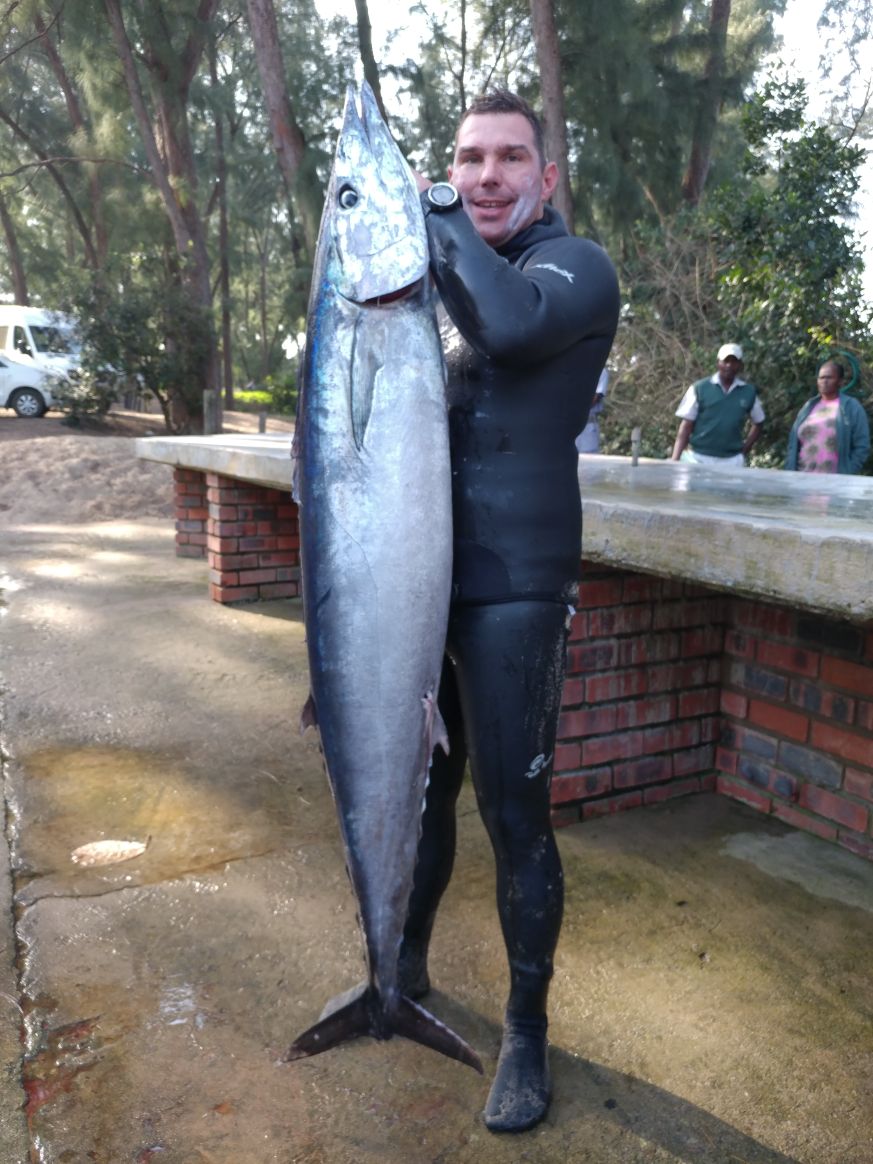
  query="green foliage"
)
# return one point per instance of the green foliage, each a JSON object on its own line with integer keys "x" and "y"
{"x": 150, "y": 336}
{"x": 769, "y": 261}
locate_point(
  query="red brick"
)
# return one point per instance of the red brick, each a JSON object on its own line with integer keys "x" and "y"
{"x": 280, "y": 590}
{"x": 647, "y": 771}
{"x": 187, "y": 551}
{"x": 669, "y": 791}
{"x": 842, "y": 743}
{"x": 648, "y": 648}
{"x": 835, "y": 807}
{"x": 858, "y": 784}
{"x": 619, "y": 620}
{"x": 678, "y": 676}
{"x": 233, "y": 561}
{"x": 611, "y": 804}
{"x": 726, "y": 760}
{"x": 734, "y": 704}
{"x": 256, "y": 577}
{"x": 865, "y": 718}
{"x": 567, "y": 757}
{"x": 789, "y": 658}
{"x": 638, "y": 712}
{"x": 739, "y": 790}
{"x": 698, "y": 702}
{"x": 602, "y": 749}
{"x": 617, "y": 685}
{"x": 829, "y": 704}
{"x": 254, "y": 543}
{"x": 233, "y": 593}
{"x": 855, "y": 677}
{"x": 592, "y": 657}
{"x": 694, "y": 760}
{"x": 710, "y": 728}
{"x": 640, "y": 588}
{"x": 287, "y": 541}
{"x": 702, "y": 613}
{"x": 223, "y": 579}
{"x": 740, "y": 645}
{"x": 802, "y": 820}
{"x": 581, "y": 785}
{"x": 275, "y": 558}
{"x": 708, "y": 782}
{"x": 780, "y": 720}
{"x": 587, "y": 722}
{"x": 188, "y": 475}
{"x": 760, "y": 616}
{"x": 573, "y": 693}
{"x": 578, "y": 627}
{"x": 702, "y": 641}
{"x": 600, "y": 592}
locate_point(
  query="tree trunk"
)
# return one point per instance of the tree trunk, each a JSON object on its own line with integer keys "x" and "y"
{"x": 13, "y": 251}
{"x": 708, "y": 107}
{"x": 552, "y": 89}
{"x": 365, "y": 47}
{"x": 175, "y": 174}
{"x": 78, "y": 122}
{"x": 288, "y": 140}
{"x": 223, "y": 239}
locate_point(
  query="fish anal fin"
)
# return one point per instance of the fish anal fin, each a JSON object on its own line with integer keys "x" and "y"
{"x": 436, "y": 731}
{"x": 309, "y": 715}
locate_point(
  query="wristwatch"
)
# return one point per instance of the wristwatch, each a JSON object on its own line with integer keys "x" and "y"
{"x": 442, "y": 196}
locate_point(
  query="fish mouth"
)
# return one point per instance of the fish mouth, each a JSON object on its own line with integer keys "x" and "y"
{"x": 393, "y": 296}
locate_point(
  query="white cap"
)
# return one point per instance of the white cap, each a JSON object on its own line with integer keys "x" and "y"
{"x": 730, "y": 350}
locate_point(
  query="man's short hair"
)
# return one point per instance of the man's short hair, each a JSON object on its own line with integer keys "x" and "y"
{"x": 505, "y": 101}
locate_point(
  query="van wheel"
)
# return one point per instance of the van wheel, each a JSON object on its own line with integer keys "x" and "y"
{"x": 28, "y": 402}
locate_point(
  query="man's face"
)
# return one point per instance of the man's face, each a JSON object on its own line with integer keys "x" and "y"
{"x": 498, "y": 173}
{"x": 728, "y": 369}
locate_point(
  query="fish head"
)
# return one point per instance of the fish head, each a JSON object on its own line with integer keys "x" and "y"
{"x": 373, "y": 213}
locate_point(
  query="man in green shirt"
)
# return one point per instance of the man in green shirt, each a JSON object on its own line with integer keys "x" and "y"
{"x": 714, "y": 412}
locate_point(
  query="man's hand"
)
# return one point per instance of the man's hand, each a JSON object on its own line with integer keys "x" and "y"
{"x": 421, "y": 182}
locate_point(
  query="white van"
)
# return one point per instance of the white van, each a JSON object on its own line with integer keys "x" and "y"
{"x": 36, "y": 347}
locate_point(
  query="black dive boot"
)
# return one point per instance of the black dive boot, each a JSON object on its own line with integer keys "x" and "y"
{"x": 522, "y": 1087}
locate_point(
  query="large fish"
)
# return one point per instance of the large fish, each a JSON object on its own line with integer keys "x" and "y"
{"x": 374, "y": 487}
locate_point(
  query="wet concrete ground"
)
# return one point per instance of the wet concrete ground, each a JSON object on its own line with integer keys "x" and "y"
{"x": 713, "y": 999}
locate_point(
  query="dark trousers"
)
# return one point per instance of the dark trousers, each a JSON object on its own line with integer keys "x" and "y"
{"x": 500, "y": 696}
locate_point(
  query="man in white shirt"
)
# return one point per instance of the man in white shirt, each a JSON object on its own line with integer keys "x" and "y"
{"x": 714, "y": 412}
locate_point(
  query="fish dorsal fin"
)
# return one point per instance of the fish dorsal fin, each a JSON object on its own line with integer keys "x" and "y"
{"x": 308, "y": 716}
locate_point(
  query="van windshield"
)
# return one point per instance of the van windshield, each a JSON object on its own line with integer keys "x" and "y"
{"x": 52, "y": 340}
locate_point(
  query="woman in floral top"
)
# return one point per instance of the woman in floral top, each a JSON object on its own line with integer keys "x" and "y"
{"x": 831, "y": 433}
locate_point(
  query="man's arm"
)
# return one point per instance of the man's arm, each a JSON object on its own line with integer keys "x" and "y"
{"x": 683, "y": 436}
{"x": 567, "y": 292}
{"x": 754, "y": 433}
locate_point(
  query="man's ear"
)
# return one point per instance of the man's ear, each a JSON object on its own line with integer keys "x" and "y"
{"x": 550, "y": 180}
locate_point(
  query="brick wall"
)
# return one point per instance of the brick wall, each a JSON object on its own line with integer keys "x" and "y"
{"x": 672, "y": 689}
{"x": 797, "y": 734}
{"x": 252, "y": 540}
{"x": 189, "y": 491}
{"x": 640, "y": 711}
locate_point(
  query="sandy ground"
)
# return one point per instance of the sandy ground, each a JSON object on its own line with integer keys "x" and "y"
{"x": 94, "y": 474}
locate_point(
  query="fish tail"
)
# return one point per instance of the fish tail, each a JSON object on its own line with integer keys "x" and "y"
{"x": 364, "y": 1016}
{"x": 414, "y": 1022}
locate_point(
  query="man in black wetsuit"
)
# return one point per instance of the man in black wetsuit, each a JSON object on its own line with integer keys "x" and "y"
{"x": 531, "y": 314}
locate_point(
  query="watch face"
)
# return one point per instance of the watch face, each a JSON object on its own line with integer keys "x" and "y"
{"x": 443, "y": 194}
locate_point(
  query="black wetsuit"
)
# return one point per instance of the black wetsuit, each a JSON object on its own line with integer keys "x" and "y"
{"x": 533, "y": 322}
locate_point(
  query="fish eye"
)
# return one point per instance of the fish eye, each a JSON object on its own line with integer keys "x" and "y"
{"x": 348, "y": 198}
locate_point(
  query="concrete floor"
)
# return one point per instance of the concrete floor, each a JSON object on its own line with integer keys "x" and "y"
{"x": 713, "y": 999}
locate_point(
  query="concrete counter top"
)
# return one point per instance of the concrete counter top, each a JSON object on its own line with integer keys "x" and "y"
{"x": 790, "y": 538}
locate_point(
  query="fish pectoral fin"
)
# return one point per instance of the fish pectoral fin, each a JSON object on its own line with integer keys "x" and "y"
{"x": 309, "y": 715}
{"x": 414, "y": 1022}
